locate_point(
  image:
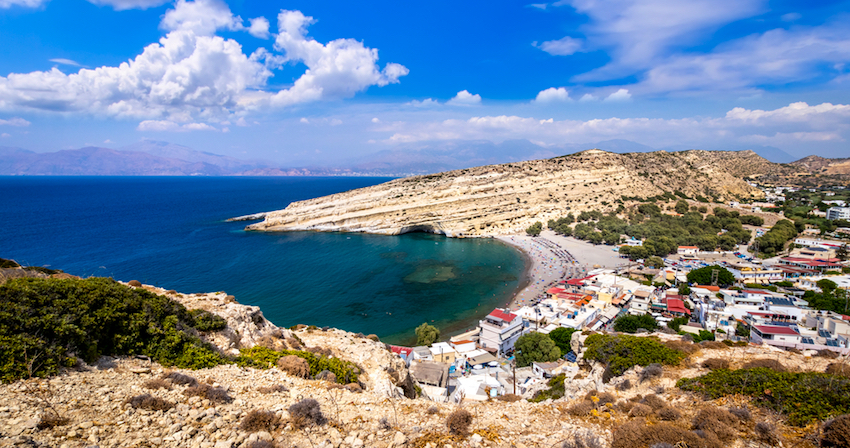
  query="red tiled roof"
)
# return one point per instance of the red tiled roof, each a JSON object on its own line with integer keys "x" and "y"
{"x": 756, "y": 291}
{"x": 578, "y": 281}
{"x": 575, "y": 297}
{"x": 677, "y": 306}
{"x": 507, "y": 317}
{"x": 708, "y": 287}
{"x": 688, "y": 247}
{"x": 776, "y": 329}
{"x": 401, "y": 350}
{"x": 555, "y": 290}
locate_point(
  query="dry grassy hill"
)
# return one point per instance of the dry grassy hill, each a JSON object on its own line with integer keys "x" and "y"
{"x": 500, "y": 199}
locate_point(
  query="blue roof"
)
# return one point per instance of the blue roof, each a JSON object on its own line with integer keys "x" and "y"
{"x": 571, "y": 356}
{"x": 808, "y": 341}
{"x": 832, "y": 342}
{"x": 824, "y": 334}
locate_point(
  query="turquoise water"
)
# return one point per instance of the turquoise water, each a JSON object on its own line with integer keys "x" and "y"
{"x": 170, "y": 232}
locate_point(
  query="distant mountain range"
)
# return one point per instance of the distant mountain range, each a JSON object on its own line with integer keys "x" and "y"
{"x": 156, "y": 158}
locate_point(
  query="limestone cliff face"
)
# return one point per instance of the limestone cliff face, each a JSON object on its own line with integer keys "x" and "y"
{"x": 501, "y": 199}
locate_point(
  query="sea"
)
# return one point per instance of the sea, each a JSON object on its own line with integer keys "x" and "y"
{"x": 172, "y": 232}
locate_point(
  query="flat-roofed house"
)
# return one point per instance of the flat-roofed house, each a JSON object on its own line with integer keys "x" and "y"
{"x": 499, "y": 331}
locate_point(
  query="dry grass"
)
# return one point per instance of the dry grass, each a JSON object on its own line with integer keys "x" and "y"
{"x": 765, "y": 363}
{"x": 277, "y": 388}
{"x": 459, "y": 421}
{"x": 326, "y": 375}
{"x": 636, "y": 434}
{"x": 149, "y": 402}
{"x": 432, "y": 410}
{"x": 640, "y": 410}
{"x": 836, "y": 432}
{"x": 179, "y": 378}
{"x": 682, "y": 346}
{"x": 713, "y": 345}
{"x": 654, "y": 401}
{"x": 743, "y": 414}
{"x": 766, "y": 433}
{"x": 510, "y": 398}
{"x": 624, "y": 385}
{"x": 838, "y": 369}
{"x": 829, "y": 354}
{"x": 51, "y": 420}
{"x": 625, "y": 406}
{"x": 259, "y": 420}
{"x": 157, "y": 383}
{"x": 213, "y": 394}
{"x": 717, "y": 421}
{"x": 581, "y": 409}
{"x": 294, "y": 366}
{"x": 651, "y": 372}
{"x": 260, "y": 444}
{"x": 603, "y": 397}
{"x": 715, "y": 363}
{"x": 668, "y": 413}
{"x": 305, "y": 413}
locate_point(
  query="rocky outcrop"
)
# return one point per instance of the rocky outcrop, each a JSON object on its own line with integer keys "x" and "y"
{"x": 502, "y": 199}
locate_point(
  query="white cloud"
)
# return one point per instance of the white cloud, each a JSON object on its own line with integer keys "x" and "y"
{"x": 17, "y": 122}
{"x": 542, "y": 6}
{"x": 108, "y": 141}
{"x": 784, "y": 127}
{"x": 640, "y": 32}
{"x": 66, "y": 62}
{"x": 561, "y": 47}
{"x": 170, "y": 126}
{"x": 304, "y": 120}
{"x": 5, "y": 135}
{"x": 552, "y": 95}
{"x": 335, "y": 122}
{"x": 776, "y": 57}
{"x": 259, "y": 27}
{"x": 588, "y": 97}
{"x": 122, "y": 5}
{"x": 339, "y": 69}
{"x": 427, "y": 102}
{"x": 241, "y": 122}
{"x": 619, "y": 95}
{"x": 6, "y": 4}
{"x": 376, "y": 120}
{"x": 193, "y": 75}
{"x": 791, "y": 17}
{"x": 464, "y": 98}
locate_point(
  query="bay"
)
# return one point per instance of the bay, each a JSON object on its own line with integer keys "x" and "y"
{"x": 170, "y": 232}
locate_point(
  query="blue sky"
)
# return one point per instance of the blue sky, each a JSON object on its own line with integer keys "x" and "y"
{"x": 313, "y": 82}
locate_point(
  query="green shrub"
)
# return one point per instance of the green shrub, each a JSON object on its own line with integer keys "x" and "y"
{"x": 556, "y": 390}
{"x": 622, "y": 352}
{"x": 802, "y": 397}
{"x": 206, "y": 321}
{"x": 628, "y": 323}
{"x": 6, "y": 264}
{"x": 263, "y": 358}
{"x": 51, "y": 322}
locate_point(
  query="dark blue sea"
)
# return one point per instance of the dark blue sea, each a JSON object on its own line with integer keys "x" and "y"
{"x": 171, "y": 232}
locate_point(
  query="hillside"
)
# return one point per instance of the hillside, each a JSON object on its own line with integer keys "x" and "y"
{"x": 500, "y": 199}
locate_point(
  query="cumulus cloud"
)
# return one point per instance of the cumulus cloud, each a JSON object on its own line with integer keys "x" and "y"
{"x": 561, "y": 47}
{"x": 552, "y": 95}
{"x": 339, "y": 69}
{"x": 376, "y": 120}
{"x": 122, "y": 5}
{"x": 6, "y": 4}
{"x": 259, "y": 27}
{"x": 783, "y": 127}
{"x": 17, "y": 122}
{"x": 427, "y": 102}
{"x": 588, "y": 97}
{"x": 464, "y": 98}
{"x": 170, "y": 126}
{"x": 193, "y": 75}
{"x": 5, "y": 135}
{"x": 619, "y": 95}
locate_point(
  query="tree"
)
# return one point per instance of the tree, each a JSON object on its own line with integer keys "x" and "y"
{"x": 677, "y": 323}
{"x": 681, "y": 207}
{"x": 535, "y": 347}
{"x": 562, "y": 337}
{"x": 535, "y": 229}
{"x": 702, "y": 276}
{"x": 655, "y": 262}
{"x": 427, "y": 334}
{"x": 842, "y": 253}
{"x": 649, "y": 209}
{"x": 629, "y": 324}
{"x": 684, "y": 289}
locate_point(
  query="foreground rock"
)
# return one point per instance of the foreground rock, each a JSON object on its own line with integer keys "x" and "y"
{"x": 502, "y": 199}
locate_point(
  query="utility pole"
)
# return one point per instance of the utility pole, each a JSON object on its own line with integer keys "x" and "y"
{"x": 514, "y": 373}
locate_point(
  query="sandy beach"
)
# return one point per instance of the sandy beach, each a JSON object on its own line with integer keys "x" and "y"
{"x": 553, "y": 258}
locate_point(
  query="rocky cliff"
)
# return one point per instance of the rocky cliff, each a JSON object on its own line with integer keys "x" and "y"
{"x": 500, "y": 199}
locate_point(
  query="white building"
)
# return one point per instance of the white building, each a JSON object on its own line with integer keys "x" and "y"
{"x": 838, "y": 213}
{"x": 687, "y": 250}
{"x": 499, "y": 331}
